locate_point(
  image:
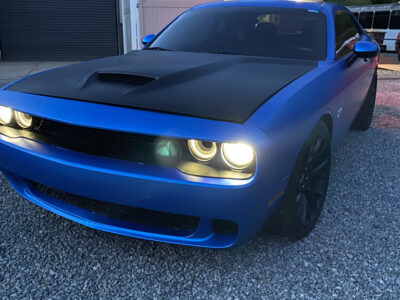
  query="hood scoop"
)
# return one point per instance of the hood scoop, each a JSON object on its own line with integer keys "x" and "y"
{"x": 131, "y": 79}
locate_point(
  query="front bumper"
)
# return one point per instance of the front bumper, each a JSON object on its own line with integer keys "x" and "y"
{"x": 151, "y": 187}
{"x": 131, "y": 184}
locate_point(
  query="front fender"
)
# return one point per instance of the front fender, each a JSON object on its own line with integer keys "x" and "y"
{"x": 290, "y": 116}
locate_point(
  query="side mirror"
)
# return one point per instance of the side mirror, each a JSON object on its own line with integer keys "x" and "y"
{"x": 365, "y": 49}
{"x": 148, "y": 38}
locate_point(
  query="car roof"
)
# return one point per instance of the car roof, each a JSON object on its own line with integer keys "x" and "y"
{"x": 325, "y": 7}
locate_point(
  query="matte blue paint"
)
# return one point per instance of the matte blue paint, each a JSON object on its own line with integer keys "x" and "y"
{"x": 277, "y": 131}
{"x": 366, "y": 49}
{"x": 148, "y": 38}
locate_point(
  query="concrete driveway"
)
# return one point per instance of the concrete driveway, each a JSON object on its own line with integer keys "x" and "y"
{"x": 389, "y": 61}
{"x": 10, "y": 71}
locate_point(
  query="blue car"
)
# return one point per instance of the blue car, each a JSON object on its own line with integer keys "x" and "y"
{"x": 222, "y": 123}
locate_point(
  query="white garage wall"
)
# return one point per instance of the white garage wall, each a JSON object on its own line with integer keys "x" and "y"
{"x": 130, "y": 25}
{"x": 155, "y": 14}
{"x": 141, "y": 17}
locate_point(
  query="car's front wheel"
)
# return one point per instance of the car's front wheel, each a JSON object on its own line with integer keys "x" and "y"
{"x": 305, "y": 194}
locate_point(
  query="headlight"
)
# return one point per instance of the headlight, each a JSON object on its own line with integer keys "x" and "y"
{"x": 6, "y": 114}
{"x": 237, "y": 155}
{"x": 23, "y": 120}
{"x": 201, "y": 150}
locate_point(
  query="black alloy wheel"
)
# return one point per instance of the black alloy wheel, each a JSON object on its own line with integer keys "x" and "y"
{"x": 305, "y": 194}
{"x": 313, "y": 181}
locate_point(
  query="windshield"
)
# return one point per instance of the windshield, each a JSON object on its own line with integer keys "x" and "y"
{"x": 257, "y": 31}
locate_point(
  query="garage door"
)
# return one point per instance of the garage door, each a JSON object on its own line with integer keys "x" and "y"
{"x": 58, "y": 29}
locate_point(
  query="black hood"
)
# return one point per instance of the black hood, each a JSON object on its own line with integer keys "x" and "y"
{"x": 213, "y": 86}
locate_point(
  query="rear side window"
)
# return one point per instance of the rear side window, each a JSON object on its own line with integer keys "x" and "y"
{"x": 395, "y": 20}
{"x": 346, "y": 33}
{"x": 381, "y": 20}
{"x": 366, "y": 19}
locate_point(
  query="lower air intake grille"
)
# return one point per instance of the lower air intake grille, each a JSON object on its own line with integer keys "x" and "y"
{"x": 122, "y": 212}
{"x": 225, "y": 227}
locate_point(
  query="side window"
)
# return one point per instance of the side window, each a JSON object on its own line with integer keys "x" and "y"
{"x": 381, "y": 20}
{"x": 395, "y": 20}
{"x": 346, "y": 33}
{"x": 366, "y": 19}
{"x": 356, "y": 15}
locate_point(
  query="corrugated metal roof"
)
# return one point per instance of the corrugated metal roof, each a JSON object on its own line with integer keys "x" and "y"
{"x": 375, "y": 7}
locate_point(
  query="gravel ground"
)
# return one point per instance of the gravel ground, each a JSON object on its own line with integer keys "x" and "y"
{"x": 354, "y": 252}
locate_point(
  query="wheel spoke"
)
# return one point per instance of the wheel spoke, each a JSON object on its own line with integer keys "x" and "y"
{"x": 322, "y": 149}
{"x": 308, "y": 189}
{"x": 298, "y": 196}
{"x": 320, "y": 188}
{"x": 319, "y": 168}
{"x": 316, "y": 147}
{"x": 316, "y": 153}
{"x": 302, "y": 207}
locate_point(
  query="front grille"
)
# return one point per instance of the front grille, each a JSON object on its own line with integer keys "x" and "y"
{"x": 99, "y": 142}
{"x": 122, "y": 212}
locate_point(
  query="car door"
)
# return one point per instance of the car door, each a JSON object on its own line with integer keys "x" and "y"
{"x": 357, "y": 75}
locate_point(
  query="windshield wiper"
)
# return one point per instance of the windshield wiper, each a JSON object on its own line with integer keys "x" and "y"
{"x": 158, "y": 48}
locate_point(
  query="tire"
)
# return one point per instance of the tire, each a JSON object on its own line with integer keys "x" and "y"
{"x": 363, "y": 119}
{"x": 305, "y": 194}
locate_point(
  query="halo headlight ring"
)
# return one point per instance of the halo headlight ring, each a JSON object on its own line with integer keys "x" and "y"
{"x": 201, "y": 150}
{"x": 23, "y": 120}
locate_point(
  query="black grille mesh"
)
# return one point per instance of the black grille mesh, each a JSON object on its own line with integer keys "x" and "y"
{"x": 106, "y": 143}
{"x": 225, "y": 227}
{"x": 122, "y": 212}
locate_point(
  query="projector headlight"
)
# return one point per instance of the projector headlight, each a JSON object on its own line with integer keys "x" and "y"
{"x": 237, "y": 155}
{"x": 23, "y": 120}
{"x": 201, "y": 150}
{"x": 6, "y": 115}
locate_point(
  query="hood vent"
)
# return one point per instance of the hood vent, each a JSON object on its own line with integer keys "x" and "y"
{"x": 137, "y": 80}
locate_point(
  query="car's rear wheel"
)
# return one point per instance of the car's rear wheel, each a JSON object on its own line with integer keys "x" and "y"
{"x": 363, "y": 119}
{"x": 305, "y": 195}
